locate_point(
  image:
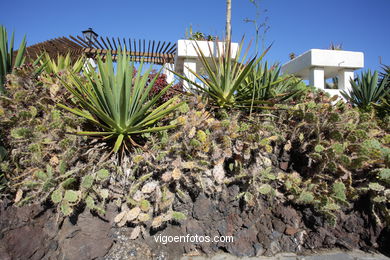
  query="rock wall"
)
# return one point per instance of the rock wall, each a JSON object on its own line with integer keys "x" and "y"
{"x": 38, "y": 232}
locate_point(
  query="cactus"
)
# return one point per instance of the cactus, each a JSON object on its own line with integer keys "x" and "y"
{"x": 265, "y": 189}
{"x": 71, "y": 196}
{"x": 336, "y": 142}
{"x": 87, "y": 182}
{"x": 178, "y": 216}
{"x": 336, "y": 156}
{"x": 306, "y": 197}
{"x": 66, "y": 209}
{"x": 339, "y": 192}
{"x": 102, "y": 174}
{"x": 384, "y": 175}
{"x": 56, "y": 196}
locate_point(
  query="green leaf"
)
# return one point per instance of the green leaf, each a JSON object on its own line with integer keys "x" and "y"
{"x": 71, "y": 196}
{"x": 118, "y": 142}
{"x": 249, "y": 198}
{"x": 366, "y": 90}
{"x": 49, "y": 171}
{"x": 376, "y": 186}
{"x": 380, "y": 199}
{"x": 265, "y": 189}
{"x": 225, "y": 78}
{"x": 306, "y": 197}
{"x": 331, "y": 207}
{"x": 56, "y": 196}
{"x": 384, "y": 175}
{"x": 66, "y": 184}
{"x": 339, "y": 191}
{"x": 87, "y": 181}
{"x": 66, "y": 209}
{"x": 7, "y": 55}
{"x": 319, "y": 148}
{"x": 104, "y": 193}
{"x": 3, "y": 153}
{"x": 102, "y": 174}
{"x": 62, "y": 167}
{"x": 89, "y": 201}
{"x": 41, "y": 175}
{"x": 178, "y": 216}
{"x": 316, "y": 156}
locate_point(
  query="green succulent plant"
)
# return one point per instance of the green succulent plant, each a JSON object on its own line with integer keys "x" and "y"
{"x": 7, "y": 60}
{"x": 198, "y": 36}
{"x": 266, "y": 83}
{"x": 383, "y": 106}
{"x": 118, "y": 103}
{"x": 334, "y": 143}
{"x": 90, "y": 192}
{"x": 62, "y": 64}
{"x": 366, "y": 90}
{"x": 385, "y": 74}
{"x": 224, "y": 76}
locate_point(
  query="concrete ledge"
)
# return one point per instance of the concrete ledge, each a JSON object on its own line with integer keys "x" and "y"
{"x": 186, "y": 51}
{"x": 331, "y": 60}
{"x": 187, "y": 58}
{"x": 325, "y": 255}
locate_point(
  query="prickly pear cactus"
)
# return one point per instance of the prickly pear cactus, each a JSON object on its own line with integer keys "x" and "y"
{"x": 33, "y": 131}
{"x": 340, "y": 151}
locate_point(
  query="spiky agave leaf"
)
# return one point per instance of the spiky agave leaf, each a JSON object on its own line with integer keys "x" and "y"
{"x": 266, "y": 84}
{"x": 224, "y": 74}
{"x": 62, "y": 64}
{"x": 366, "y": 90}
{"x": 118, "y": 102}
{"x": 7, "y": 62}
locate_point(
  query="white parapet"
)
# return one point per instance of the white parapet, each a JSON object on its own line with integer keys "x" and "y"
{"x": 186, "y": 58}
{"x": 316, "y": 77}
{"x": 167, "y": 70}
{"x": 89, "y": 63}
{"x": 317, "y": 65}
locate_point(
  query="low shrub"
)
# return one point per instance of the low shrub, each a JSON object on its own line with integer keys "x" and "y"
{"x": 160, "y": 84}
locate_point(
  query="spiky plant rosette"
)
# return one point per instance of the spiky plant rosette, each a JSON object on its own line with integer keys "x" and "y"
{"x": 118, "y": 103}
{"x": 7, "y": 59}
{"x": 367, "y": 90}
{"x": 57, "y": 70}
{"x": 224, "y": 74}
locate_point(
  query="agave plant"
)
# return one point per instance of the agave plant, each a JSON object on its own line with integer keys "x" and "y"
{"x": 366, "y": 90}
{"x": 264, "y": 83}
{"x": 118, "y": 103}
{"x": 7, "y": 60}
{"x": 224, "y": 76}
{"x": 383, "y": 107}
{"x": 385, "y": 75}
{"x": 62, "y": 64}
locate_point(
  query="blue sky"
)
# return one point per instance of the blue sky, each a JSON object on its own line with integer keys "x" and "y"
{"x": 294, "y": 26}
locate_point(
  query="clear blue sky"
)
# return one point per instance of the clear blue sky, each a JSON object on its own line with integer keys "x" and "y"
{"x": 295, "y": 25}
